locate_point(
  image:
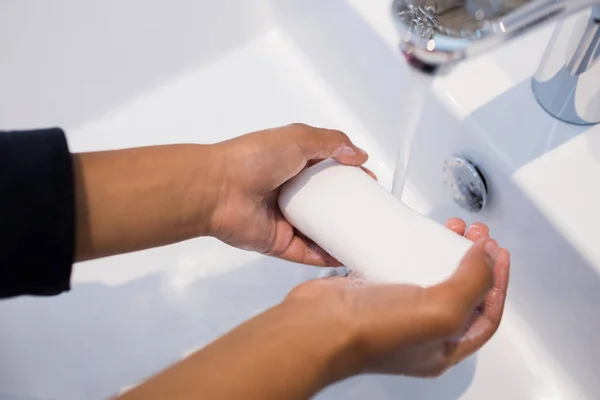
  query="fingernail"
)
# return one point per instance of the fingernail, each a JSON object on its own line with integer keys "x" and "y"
{"x": 491, "y": 250}
{"x": 344, "y": 151}
{"x": 480, "y": 231}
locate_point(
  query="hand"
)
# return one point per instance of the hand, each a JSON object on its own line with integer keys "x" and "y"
{"x": 414, "y": 331}
{"x": 134, "y": 199}
{"x": 254, "y": 167}
{"x": 329, "y": 329}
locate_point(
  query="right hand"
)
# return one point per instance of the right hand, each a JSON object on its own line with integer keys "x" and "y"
{"x": 246, "y": 214}
{"x": 414, "y": 331}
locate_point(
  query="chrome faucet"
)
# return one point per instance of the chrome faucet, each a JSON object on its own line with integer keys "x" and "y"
{"x": 437, "y": 34}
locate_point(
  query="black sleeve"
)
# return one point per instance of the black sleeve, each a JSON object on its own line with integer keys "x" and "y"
{"x": 37, "y": 213}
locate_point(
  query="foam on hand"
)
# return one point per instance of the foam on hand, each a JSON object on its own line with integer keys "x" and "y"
{"x": 358, "y": 222}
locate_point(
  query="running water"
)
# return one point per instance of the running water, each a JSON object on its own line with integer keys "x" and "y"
{"x": 417, "y": 20}
{"x": 418, "y": 86}
{"x": 422, "y": 23}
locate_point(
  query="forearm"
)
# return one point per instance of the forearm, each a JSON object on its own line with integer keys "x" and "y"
{"x": 284, "y": 353}
{"x": 128, "y": 200}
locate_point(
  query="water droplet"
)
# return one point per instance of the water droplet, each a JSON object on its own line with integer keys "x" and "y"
{"x": 431, "y": 45}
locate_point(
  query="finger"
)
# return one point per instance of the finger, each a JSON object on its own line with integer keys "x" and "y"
{"x": 304, "y": 251}
{"x": 486, "y": 323}
{"x": 467, "y": 287}
{"x": 477, "y": 231}
{"x": 318, "y": 144}
{"x": 368, "y": 171}
{"x": 442, "y": 311}
{"x": 474, "y": 275}
{"x": 457, "y": 225}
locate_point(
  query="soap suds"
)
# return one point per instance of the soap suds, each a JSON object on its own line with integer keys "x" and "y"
{"x": 356, "y": 278}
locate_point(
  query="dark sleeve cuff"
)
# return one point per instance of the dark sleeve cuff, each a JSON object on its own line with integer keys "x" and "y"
{"x": 37, "y": 213}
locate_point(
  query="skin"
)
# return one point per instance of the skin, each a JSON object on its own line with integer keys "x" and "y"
{"x": 135, "y": 199}
{"x": 327, "y": 330}
{"x": 324, "y": 330}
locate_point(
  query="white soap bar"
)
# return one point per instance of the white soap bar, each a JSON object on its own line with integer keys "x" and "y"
{"x": 358, "y": 222}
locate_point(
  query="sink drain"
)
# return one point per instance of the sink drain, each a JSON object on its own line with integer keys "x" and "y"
{"x": 465, "y": 183}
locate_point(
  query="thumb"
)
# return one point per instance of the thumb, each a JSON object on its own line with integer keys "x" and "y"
{"x": 474, "y": 276}
{"x": 319, "y": 144}
{"x": 432, "y": 313}
{"x": 448, "y": 306}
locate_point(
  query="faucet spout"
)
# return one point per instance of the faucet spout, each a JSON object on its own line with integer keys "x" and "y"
{"x": 438, "y": 34}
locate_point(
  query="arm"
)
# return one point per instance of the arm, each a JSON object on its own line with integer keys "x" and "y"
{"x": 289, "y": 352}
{"x": 328, "y": 330}
{"x": 134, "y": 199}
{"x": 324, "y": 331}
{"x": 57, "y": 207}
{"x": 139, "y": 198}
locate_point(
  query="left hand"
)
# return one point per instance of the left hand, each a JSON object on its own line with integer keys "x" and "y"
{"x": 329, "y": 329}
{"x": 442, "y": 327}
{"x": 434, "y": 358}
{"x": 254, "y": 166}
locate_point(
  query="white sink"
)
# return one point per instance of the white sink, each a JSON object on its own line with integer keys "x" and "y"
{"x": 119, "y": 74}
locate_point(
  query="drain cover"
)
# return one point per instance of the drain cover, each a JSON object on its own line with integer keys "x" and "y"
{"x": 465, "y": 184}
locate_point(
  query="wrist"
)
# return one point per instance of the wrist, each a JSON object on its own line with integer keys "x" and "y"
{"x": 290, "y": 351}
{"x": 200, "y": 191}
{"x": 332, "y": 340}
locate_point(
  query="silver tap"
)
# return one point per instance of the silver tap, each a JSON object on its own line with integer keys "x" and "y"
{"x": 438, "y": 34}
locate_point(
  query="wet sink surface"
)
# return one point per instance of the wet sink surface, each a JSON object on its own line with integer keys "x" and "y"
{"x": 115, "y": 75}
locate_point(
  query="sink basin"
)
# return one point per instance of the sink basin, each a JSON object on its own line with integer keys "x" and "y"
{"x": 116, "y": 74}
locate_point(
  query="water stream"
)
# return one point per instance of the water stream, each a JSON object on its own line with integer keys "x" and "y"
{"x": 418, "y": 86}
{"x": 419, "y": 22}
